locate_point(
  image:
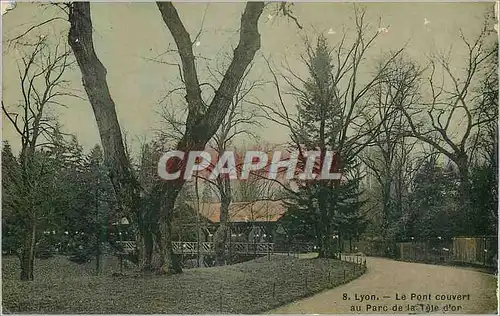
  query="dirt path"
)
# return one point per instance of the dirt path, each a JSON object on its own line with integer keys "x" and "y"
{"x": 474, "y": 292}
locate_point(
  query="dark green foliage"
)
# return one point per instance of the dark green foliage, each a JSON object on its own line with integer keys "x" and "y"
{"x": 91, "y": 214}
{"x": 338, "y": 218}
{"x": 319, "y": 120}
{"x": 483, "y": 217}
{"x": 434, "y": 209}
{"x": 34, "y": 193}
{"x": 349, "y": 220}
{"x": 323, "y": 211}
{"x": 484, "y": 191}
{"x": 10, "y": 191}
{"x": 69, "y": 198}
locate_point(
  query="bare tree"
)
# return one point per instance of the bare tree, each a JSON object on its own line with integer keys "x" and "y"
{"x": 255, "y": 188}
{"x": 43, "y": 86}
{"x": 357, "y": 126}
{"x": 239, "y": 120}
{"x": 391, "y": 154}
{"x": 202, "y": 122}
{"x": 452, "y": 99}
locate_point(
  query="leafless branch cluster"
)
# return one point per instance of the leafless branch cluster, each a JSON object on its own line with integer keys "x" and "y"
{"x": 43, "y": 85}
{"x": 350, "y": 94}
{"x": 451, "y": 99}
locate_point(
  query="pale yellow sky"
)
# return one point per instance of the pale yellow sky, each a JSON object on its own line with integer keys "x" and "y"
{"x": 127, "y": 33}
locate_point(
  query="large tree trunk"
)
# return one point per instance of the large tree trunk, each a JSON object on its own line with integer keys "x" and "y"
{"x": 144, "y": 249}
{"x": 464, "y": 193}
{"x": 170, "y": 263}
{"x": 140, "y": 249}
{"x": 145, "y": 228}
{"x": 95, "y": 83}
{"x": 28, "y": 255}
{"x": 220, "y": 236}
{"x": 202, "y": 124}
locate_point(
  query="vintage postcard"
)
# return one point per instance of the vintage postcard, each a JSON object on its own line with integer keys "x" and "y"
{"x": 249, "y": 157}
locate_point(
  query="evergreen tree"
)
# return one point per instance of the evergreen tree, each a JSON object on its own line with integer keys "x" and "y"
{"x": 484, "y": 190}
{"x": 326, "y": 209}
{"x": 91, "y": 213}
{"x": 10, "y": 200}
{"x": 349, "y": 220}
{"x": 483, "y": 215}
{"x": 434, "y": 209}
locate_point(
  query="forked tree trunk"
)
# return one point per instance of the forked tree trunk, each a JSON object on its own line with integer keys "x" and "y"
{"x": 201, "y": 124}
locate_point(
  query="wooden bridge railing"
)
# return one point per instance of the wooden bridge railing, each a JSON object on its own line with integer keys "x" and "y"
{"x": 191, "y": 247}
{"x": 128, "y": 246}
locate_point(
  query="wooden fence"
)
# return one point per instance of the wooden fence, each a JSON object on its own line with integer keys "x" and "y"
{"x": 431, "y": 251}
{"x": 469, "y": 250}
{"x": 375, "y": 248}
{"x": 476, "y": 250}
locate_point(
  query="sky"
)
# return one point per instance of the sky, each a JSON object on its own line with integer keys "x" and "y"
{"x": 128, "y": 35}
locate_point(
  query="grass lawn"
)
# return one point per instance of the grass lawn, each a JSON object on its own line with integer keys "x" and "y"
{"x": 255, "y": 286}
